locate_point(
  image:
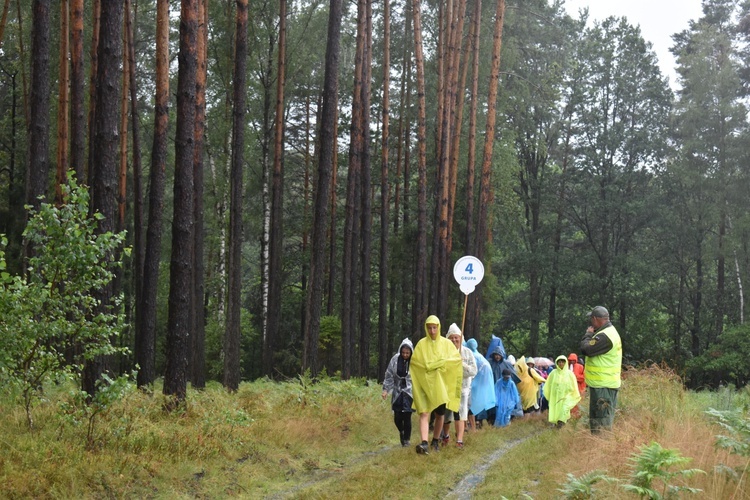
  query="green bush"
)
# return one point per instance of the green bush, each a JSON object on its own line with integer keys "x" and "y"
{"x": 52, "y": 321}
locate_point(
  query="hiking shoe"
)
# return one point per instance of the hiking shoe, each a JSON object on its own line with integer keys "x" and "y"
{"x": 445, "y": 438}
{"x": 460, "y": 445}
{"x": 435, "y": 444}
{"x": 406, "y": 444}
{"x": 422, "y": 449}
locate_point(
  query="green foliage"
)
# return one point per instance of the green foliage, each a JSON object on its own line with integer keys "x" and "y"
{"x": 725, "y": 362}
{"x": 652, "y": 465}
{"x": 582, "y": 487}
{"x": 52, "y": 322}
{"x": 737, "y": 425}
{"x": 81, "y": 408}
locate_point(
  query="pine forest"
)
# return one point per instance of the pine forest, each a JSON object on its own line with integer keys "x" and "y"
{"x": 226, "y": 190}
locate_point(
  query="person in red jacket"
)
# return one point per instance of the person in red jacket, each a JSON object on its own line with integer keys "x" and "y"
{"x": 577, "y": 370}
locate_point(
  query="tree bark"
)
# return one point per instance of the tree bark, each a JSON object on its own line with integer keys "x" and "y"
{"x": 198, "y": 322}
{"x": 419, "y": 309}
{"x": 77, "y": 119}
{"x": 145, "y": 339}
{"x": 353, "y": 206}
{"x": 484, "y": 230}
{"x": 385, "y": 194}
{"x": 232, "y": 335}
{"x": 277, "y": 205}
{"x": 365, "y": 260}
{"x": 94, "y": 55}
{"x": 137, "y": 184}
{"x": 105, "y": 150}
{"x": 38, "y": 170}
{"x": 63, "y": 102}
{"x": 180, "y": 275}
{"x": 322, "y": 189}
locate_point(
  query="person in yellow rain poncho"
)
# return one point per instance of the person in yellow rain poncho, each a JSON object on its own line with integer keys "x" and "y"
{"x": 528, "y": 387}
{"x": 561, "y": 390}
{"x": 436, "y": 375}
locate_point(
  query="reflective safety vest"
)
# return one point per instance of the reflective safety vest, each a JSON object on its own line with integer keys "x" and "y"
{"x": 604, "y": 370}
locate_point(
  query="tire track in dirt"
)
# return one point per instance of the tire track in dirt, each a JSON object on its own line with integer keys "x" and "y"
{"x": 462, "y": 490}
{"x": 465, "y": 487}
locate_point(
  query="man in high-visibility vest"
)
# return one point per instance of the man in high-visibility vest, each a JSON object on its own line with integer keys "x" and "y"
{"x": 603, "y": 350}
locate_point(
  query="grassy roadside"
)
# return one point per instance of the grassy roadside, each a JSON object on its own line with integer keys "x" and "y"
{"x": 302, "y": 440}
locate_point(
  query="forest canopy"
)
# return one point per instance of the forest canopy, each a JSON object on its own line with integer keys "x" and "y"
{"x": 297, "y": 179}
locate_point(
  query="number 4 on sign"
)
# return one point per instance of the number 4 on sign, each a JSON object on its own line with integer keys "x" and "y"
{"x": 468, "y": 272}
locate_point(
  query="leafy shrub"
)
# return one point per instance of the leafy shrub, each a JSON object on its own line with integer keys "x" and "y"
{"x": 52, "y": 322}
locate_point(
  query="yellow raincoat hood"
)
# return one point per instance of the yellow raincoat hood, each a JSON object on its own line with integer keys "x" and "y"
{"x": 436, "y": 372}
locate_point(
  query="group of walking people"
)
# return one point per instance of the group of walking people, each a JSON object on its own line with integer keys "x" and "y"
{"x": 445, "y": 379}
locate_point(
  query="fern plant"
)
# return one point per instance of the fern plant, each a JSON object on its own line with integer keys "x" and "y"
{"x": 582, "y": 488}
{"x": 737, "y": 425}
{"x": 653, "y": 464}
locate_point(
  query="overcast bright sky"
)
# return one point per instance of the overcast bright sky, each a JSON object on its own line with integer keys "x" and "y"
{"x": 658, "y": 19}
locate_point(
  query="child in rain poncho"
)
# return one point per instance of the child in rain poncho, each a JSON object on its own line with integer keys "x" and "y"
{"x": 507, "y": 398}
{"x": 397, "y": 381}
{"x": 561, "y": 391}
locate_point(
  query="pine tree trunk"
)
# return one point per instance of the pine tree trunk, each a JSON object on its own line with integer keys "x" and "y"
{"x": 198, "y": 322}
{"x": 352, "y": 217}
{"x": 145, "y": 339}
{"x": 277, "y": 205}
{"x": 22, "y": 54}
{"x": 322, "y": 191}
{"x": 94, "y": 55}
{"x": 36, "y": 177}
{"x": 385, "y": 194}
{"x": 419, "y": 309}
{"x": 63, "y": 102}
{"x": 232, "y": 334}
{"x": 332, "y": 233}
{"x": 365, "y": 260}
{"x": 180, "y": 275}
{"x": 77, "y": 119}
{"x": 484, "y": 231}
{"x": 105, "y": 150}
{"x": 123, "y": 156}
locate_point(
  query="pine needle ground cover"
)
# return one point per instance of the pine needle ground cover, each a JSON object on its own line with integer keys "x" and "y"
{"x": 299, "y": 439}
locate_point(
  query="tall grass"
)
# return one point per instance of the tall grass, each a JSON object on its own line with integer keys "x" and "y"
{"x": 299, "y": 439}
{"x": 652, "y": 407}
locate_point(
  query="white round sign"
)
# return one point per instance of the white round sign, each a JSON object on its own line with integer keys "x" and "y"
{"x": 468, "y": 272}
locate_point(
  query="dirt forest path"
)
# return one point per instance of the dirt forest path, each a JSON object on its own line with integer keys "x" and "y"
{"x": 465, "y": 487}
{"x": 325, "y": 483}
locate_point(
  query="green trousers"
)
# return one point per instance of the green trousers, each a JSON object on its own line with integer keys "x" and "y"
{"x": 602, "y": 404}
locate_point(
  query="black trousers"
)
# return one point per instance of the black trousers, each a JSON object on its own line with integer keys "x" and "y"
{"x": 402, "y": 419}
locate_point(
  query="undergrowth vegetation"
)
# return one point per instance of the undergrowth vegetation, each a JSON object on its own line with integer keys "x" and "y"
{"x": 305, "y": 439}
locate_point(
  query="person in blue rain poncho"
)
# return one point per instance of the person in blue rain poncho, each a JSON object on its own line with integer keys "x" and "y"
{"x": 482, "y": 387}
{"x": 561, "y": 390}
{"x": 397, "y": 382}
{"x": 436, "y": 374}
{"x": 507, "y": 398}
